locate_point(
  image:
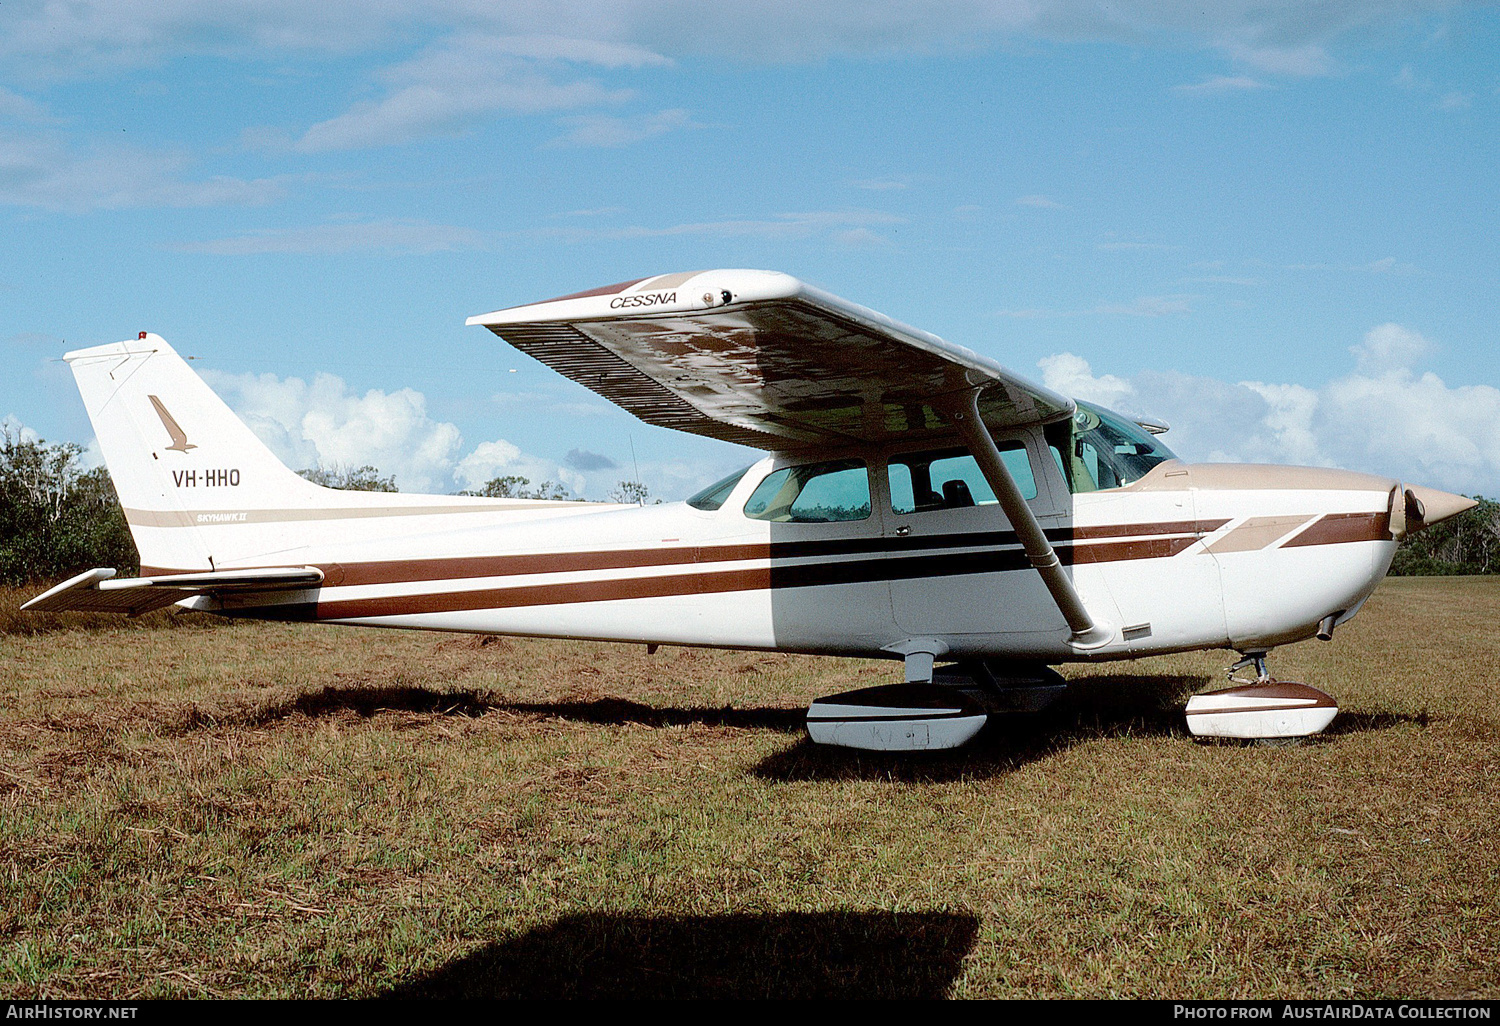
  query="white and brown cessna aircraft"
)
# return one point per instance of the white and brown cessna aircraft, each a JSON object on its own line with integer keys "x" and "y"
{"x": 918, "y": 502}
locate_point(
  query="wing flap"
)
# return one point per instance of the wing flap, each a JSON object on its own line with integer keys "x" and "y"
{"x": 762, "y": 359}
{"x": 94, "y": 591}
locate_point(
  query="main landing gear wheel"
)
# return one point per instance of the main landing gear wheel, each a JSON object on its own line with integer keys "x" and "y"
{"x": 928, "y": 715}
{"x": 1262, "y": 708}
{"x": 907, "y": 717}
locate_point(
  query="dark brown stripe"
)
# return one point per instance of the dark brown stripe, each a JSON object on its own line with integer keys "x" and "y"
{"x": 802, "y": 575}
{"x": 1345, "y": 527}
{"x": 1133, "y": 530}
{"x": 548, "y": 594}
{"x": 468, "y": 567}
{"x": 1148, "y": 548}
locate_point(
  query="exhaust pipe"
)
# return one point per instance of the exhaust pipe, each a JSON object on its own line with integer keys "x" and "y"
{"x": 1325, "y": 626}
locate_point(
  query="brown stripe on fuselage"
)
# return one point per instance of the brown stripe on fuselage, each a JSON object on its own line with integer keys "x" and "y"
{"x": 878, "y": 559}
{"x": 799, "y": 575}
{"x": 1345, "y": 527}
{"x": 1145, "y": 548}
{"x": 456, "y": 568}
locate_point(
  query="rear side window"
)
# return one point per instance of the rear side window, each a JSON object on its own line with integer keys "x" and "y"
{"x": 951, "y": 479}
{"x": 817, "y": 493}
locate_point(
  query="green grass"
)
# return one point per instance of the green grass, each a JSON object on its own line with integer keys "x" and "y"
{"x": 290, "y": 810}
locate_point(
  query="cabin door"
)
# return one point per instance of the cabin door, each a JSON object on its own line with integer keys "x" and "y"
{"x": 958, "y": 568}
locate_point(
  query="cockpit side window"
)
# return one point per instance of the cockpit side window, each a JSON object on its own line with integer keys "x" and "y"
{"x": 1099, "y": 449}
{"x": 815, "y": 493}
{"x": 922, "y": 482}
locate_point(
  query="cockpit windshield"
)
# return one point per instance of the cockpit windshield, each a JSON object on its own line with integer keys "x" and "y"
{"x": 714, "y": 496}
{"x": 1099, "y": 449}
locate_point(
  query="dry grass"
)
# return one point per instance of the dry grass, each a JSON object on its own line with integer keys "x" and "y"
{"x": 264, "y": 810}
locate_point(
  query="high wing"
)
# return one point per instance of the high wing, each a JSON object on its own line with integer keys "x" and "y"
{"x": 762, "y": 359}
{"x": 94, "y": 592}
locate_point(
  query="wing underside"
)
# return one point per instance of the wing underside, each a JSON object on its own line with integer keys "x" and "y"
{"x": 763, "y": 360}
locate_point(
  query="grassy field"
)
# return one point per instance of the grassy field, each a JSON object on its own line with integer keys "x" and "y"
{"x": 195, "y": 809}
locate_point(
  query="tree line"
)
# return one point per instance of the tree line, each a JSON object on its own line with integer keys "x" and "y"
{"x": 58, "y": 519}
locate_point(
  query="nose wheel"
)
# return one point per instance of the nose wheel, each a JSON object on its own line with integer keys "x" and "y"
{"x": 1259, "y": 707}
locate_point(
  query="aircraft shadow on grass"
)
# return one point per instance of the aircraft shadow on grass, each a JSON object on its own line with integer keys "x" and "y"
{"x": 1093, "y": 708}
{"x": 845, "y": 954}
{"x": 1097, "y": 707}
{"x": 368, "y": 700}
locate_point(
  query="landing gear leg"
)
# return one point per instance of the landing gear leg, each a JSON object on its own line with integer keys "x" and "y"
{"x": 1256, "y": 660}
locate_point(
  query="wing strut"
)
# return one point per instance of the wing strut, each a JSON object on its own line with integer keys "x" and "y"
{"x": 1087, "y": 634}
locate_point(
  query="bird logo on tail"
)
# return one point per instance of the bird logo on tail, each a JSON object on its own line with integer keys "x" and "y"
{"x": 179, "y": 436}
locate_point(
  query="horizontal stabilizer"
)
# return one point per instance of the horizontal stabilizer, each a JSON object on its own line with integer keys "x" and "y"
{"x": 93, "y": 591}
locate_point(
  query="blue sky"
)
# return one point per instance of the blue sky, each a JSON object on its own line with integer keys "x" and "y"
{"x": 1274, "y": 225}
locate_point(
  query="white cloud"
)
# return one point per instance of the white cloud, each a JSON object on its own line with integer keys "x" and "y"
{"x": 11, "y": 427}
{"x": 1389, "y": 347}
{"x": 611, "y": 132}
{"x": 1456, "y": 101}
{"x": 853, "y": 227}
{"x": 323, "y": 422}
{"x": 502, "y": 459}
{"x": 470, "y": 76}
{"x": 1301, "y": 60}
{"x": 1407, "y": 79}
{"x": 43, "y": 171}
{"x": 1383, "y": 416}
{"x": 1071, "y": 375}
{"x": 388, "y": 236}
{"x": 22, "y": 108}
{"x": 1286, "y": 37}
{"x": 1385, "y": 265}
{"x": 70, "y": 37}
{"x": 1222, "y": 84}
{"x": 306, "y": 423}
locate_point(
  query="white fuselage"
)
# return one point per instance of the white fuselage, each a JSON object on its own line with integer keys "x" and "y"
{"x": 1188, "y": 557}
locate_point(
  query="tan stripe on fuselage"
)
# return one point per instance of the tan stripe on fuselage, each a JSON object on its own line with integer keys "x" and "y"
{"x": 1257, "y": 533}
{"x": 210, "y": 517}
{"x": 1174, "y": 475}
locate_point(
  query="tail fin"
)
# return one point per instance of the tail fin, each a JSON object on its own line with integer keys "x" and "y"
{"x": 179, "y": 457}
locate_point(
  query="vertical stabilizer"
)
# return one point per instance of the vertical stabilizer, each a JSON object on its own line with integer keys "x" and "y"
{"x": 179, "y": 457}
